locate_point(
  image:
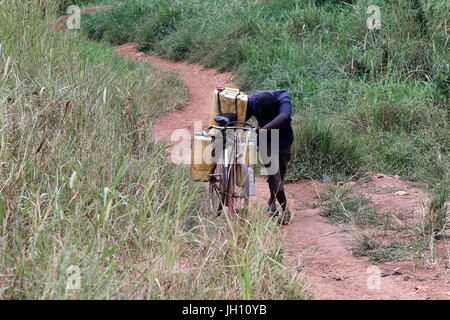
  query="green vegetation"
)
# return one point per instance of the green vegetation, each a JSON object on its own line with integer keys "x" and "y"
{"x": 323, "y": 148}
{"x": 363, "y": 99}
{"x": 436, "y": 218}
{"x": 342, "y": 204}
{"x": 377, "y": 252}
{"x": 63, "y": 5}
{"x": 83, "y": 185}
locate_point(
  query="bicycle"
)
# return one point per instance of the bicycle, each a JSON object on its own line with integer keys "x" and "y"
{"x": 229, "y": 182}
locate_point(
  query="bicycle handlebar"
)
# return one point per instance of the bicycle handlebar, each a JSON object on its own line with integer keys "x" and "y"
{"x": 233, "y": 127}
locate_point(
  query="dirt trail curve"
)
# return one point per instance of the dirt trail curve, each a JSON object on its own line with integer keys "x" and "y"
{"x": 318, "y": 250}
{"x": 315, "y": 248}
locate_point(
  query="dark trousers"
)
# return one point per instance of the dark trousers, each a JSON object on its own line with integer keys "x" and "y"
{"x": 276, "y": 180}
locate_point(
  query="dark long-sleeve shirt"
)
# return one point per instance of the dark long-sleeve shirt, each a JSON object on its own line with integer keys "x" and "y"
{"x": 283, "y": 122}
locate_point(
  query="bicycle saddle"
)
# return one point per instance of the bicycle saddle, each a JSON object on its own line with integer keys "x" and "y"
{"x": 224, "y": 119}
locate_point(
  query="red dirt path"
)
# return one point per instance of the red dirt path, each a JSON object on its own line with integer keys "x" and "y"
{"x": 317, "y": 249}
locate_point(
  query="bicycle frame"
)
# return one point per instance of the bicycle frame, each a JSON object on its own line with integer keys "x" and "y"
{"x": 229, "y": 158}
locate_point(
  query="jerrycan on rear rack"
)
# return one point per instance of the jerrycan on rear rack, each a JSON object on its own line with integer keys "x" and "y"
{"x": 228, "y": 102}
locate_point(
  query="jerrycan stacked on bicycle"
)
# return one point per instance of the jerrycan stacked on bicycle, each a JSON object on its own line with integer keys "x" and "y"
{"x": 206, "y": 148}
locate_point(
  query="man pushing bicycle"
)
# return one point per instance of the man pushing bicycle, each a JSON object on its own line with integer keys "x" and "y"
{"x": 272, "y": 109}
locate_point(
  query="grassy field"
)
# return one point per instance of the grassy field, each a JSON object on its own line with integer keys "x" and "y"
{"x": 89, "y": 206}
{"x": 364, "y": 100}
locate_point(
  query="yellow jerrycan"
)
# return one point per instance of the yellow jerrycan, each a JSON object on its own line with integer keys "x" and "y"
{"x": 228, "y": 102}
{"x": 201, "y": 156}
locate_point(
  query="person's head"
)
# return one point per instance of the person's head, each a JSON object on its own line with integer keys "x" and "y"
{"x": 266, "y": 104}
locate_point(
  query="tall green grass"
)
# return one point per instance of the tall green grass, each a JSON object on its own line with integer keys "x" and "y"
{"x": 323, "y": 149}
{"x": 393, "y": 81}
{"x": 83, "y": 185}
{"x": 63, "y": 5}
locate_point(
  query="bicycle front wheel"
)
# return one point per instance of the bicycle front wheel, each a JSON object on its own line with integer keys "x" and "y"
{"x": 217, "y": 188}
{"x": 241, "y": 185}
